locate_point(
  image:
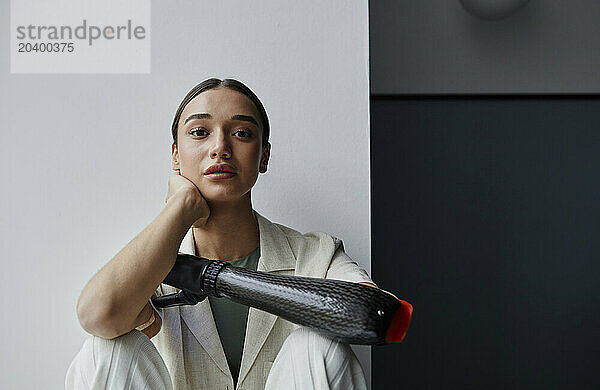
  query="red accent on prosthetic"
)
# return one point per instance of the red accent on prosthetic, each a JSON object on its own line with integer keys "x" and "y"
{"x": 399, "y": 325}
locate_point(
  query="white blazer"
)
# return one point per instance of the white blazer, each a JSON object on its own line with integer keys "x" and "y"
{"x": 188, "y": 340}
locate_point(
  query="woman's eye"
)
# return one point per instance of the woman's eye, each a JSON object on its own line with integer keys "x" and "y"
{"x": 244, "y": 133}
{"x": 198, "y": 132}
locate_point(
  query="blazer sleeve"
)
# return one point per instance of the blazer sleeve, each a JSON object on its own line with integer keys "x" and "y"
{"x": 342, "y": 267}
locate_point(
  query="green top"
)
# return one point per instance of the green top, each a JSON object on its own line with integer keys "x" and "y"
{"x": 230, "y": 318}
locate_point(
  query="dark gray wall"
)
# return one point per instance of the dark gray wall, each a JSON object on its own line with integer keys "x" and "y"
{"x": 486, "y": 217}
{"x": 435, "y": 46}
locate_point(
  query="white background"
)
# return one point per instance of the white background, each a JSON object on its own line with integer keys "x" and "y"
{"x": 85, "y": 158}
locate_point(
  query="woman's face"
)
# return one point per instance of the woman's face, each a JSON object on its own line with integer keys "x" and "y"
{"x": 220, "y": 126}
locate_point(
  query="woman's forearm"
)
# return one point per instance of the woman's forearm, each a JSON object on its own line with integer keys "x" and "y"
{"x": 112, "y": 300}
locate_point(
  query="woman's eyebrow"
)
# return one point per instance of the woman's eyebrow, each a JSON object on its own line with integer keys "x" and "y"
{"x": 237, "y": 117}
{"x": 197, "y": 116}
{"x": 245, "y": 118}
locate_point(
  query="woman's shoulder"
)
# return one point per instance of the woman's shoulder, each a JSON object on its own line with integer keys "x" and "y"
{"x": 314, "y": 251}
{"x": 312, "y": 239}
{"x": 322, "y": 255}
{"x": 276, "y": 230}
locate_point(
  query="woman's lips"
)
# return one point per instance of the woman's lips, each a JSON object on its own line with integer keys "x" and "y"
{"x": 220, "y": 175}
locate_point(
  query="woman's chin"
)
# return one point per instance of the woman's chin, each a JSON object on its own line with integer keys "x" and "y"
{"x": 224, "y": 195}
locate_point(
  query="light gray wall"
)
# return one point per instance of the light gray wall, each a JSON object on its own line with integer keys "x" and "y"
{"x": 86, "y": 158}
{"x": 435, "y": 46}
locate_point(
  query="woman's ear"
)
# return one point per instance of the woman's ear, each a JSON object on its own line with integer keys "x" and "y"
{"x": 264, "y": 160}
{"x": 174, "y": 157}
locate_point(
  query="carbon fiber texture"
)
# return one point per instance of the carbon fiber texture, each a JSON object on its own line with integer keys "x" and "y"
{"x": 348, "y": 312}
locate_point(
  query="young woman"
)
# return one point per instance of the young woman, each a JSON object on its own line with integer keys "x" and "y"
{"x": 220, "y": 145}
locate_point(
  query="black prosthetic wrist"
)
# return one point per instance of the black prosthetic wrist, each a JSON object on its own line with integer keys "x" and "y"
{"x": 348, "y": 312}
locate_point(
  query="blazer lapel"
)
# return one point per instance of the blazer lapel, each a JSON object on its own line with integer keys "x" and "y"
{"x": 199, "y": 318}
{"x": 275, "y": 255}
{"x": 169, "y": 340}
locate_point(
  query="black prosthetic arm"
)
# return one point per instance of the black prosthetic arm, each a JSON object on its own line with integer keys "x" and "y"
{"x": 349, "y": 312}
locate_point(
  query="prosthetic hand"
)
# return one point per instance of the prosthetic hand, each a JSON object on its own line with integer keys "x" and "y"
{"x": 348, "y": 312}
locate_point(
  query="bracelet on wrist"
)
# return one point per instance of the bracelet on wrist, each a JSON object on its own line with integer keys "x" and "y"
{"x": 147, "y": 323}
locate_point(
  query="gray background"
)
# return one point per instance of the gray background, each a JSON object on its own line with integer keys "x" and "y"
{"x": 485, "y": 197}
{"x": 86, "y": 157}
{"x": 435, "y": 46}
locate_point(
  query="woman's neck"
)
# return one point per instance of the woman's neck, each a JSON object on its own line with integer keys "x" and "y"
{"x": 230, "y": 233}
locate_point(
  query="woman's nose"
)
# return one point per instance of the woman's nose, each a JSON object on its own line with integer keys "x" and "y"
{"x": 221, "y": 148}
